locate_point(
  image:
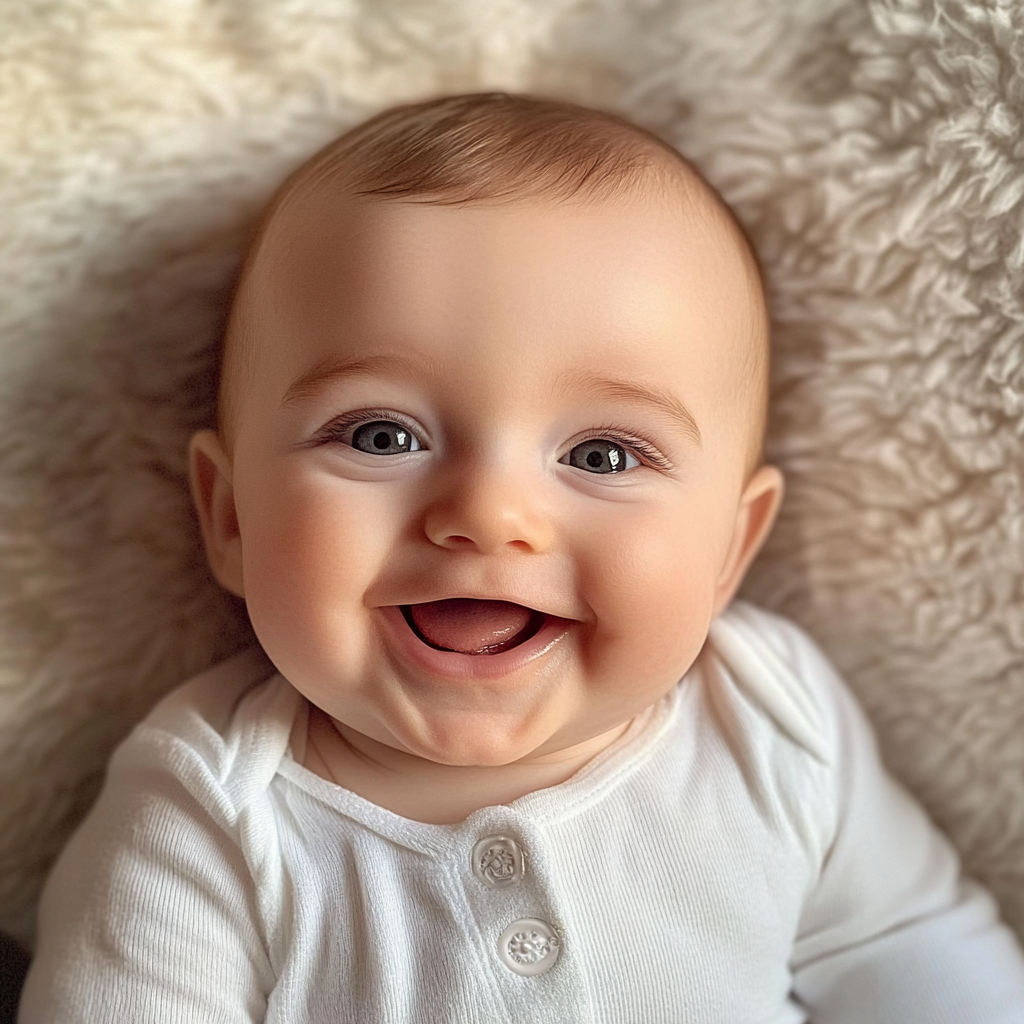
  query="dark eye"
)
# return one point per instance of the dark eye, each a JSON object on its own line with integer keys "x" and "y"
{"x": 382, "y": 437}
{"x": 600, "y": 456}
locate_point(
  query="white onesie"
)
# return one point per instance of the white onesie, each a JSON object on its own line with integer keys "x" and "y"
{"x": 739, "y": 855}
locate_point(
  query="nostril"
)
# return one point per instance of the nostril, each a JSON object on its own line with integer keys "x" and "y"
{"x": 456, "y": 540}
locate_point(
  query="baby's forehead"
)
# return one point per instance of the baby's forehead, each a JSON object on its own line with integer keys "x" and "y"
{"x": 368, "y": 276}
{"x": 324, "y": 213}
{"x": 650, "y": 235}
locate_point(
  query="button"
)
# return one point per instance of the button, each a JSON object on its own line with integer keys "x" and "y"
{"x": 529, "y": 946}
{"x": 498, "y": 862}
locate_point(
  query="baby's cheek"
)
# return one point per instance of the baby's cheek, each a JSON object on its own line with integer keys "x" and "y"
{"x": 310, "y": 549}
{"x": 652, "y": 592}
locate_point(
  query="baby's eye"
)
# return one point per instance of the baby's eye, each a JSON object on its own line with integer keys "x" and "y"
{"x": 599, "y": 456}
{"x": 383, "y": 437}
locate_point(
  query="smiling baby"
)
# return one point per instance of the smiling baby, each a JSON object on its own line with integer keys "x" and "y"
{"x": 487, "y": 473}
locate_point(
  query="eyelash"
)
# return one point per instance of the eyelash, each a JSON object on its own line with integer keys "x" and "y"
{"x": 644, "y": 448}
{"x": 334, "y": 430}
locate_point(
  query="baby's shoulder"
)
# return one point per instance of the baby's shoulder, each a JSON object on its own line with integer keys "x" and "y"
{"x": 783, "y": 671}
{"x": 219, "y": 737}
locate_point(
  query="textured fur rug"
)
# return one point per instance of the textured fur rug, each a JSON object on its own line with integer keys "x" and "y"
{"x": 875, "y": 151}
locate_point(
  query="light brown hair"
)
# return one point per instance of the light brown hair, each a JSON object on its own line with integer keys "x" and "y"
{"x": 492, "y": 148}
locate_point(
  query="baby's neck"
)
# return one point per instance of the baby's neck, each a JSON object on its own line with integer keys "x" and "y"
{"x": 438, "y": 794}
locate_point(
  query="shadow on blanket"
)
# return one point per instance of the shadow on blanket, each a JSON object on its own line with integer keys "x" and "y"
{"x": 13, "y": 967}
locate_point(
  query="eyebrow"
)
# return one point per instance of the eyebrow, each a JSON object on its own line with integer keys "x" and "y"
{"x": 329, "y": 371}
{"x": 633, "y": 391}
{"x": 323, "y": 374}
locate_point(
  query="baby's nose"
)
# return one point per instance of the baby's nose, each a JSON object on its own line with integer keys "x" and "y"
{"x": 490, "y": 512}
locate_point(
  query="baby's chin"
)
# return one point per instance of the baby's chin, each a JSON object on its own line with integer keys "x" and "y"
{"x": 475, "y": 739}
{"x": 466, "y": 740}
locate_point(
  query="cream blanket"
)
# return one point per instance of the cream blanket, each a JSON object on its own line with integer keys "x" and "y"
{"x": 875, "y": 151}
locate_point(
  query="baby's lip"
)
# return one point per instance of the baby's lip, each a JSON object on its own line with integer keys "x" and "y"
{"x": 453, "y": 667}
{"x": 471, "y": 626}
{"x": 540, "y": 608}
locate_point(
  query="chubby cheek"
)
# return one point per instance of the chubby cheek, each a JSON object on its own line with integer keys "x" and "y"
{"x": 311, "y": 545}
{"x": 650, "y": 583}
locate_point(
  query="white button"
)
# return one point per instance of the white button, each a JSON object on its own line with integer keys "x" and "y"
{"x": 529, "y": 946}
{"x": 498, "y": 861}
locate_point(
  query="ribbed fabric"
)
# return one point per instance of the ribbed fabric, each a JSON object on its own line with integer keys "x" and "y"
{"x": 738, "y": 856}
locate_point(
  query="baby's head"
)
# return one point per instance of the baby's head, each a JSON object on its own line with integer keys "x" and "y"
{"x": 491, "y": 412}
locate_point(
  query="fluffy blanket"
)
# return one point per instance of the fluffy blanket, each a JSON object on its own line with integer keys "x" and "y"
{"x": 874, "y": 150}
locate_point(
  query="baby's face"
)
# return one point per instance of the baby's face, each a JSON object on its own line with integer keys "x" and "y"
{"x": 527, "y": 403}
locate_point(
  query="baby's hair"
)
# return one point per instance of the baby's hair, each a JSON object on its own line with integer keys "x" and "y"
{"x": 493, "y": 148}
{"x": 496, "y": 148}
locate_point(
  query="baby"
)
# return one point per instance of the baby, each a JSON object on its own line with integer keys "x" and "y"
{"x": 488, "y": 474}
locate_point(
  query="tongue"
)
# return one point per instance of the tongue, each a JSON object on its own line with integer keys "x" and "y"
{"x": 469, "y": 626}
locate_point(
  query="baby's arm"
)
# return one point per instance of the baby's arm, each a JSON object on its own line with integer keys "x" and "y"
{"x": 892, "y": 934}
{"x": 149, "y": 915}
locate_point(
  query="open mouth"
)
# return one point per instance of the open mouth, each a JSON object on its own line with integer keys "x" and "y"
{"x": 463, "y": 625}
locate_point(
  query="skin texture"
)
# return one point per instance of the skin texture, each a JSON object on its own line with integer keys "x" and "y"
{"x": 492, "y": 333}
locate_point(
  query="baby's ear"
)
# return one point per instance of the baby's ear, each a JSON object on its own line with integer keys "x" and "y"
{"x": 212, "y": 491}
{"x": 759, "y": 505}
